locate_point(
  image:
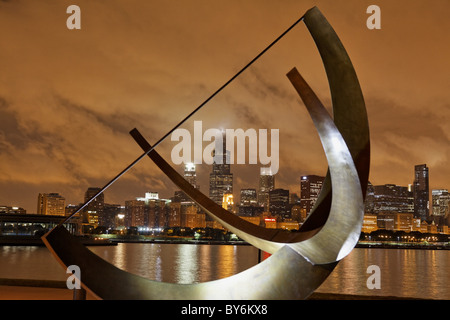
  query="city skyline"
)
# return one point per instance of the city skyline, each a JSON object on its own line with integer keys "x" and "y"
{"x": 69, "y": 98}
{"x": 311, "y": 183}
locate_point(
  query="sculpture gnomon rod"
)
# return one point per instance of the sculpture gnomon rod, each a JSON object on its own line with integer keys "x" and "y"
{"x": 300, "y": 263}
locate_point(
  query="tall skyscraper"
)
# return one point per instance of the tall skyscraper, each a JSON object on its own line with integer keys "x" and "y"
{"x": 94, "y": 210}
{"x": 248, "y": 204}
{"x": 191, "y": 176}
{"x": 421, "y": 192}
{"x": 441, "y": 206}
{"x": 220, "y": 179}
{"x": 51, "y": 204}
{"x": 248, "y": 197}
{"x": 266, "y": 184}
{"x": 370, "y": 196}
{"x": 279, "y": 203}
{"x": 310, "y": 187}
{"x": 389, "y": 198}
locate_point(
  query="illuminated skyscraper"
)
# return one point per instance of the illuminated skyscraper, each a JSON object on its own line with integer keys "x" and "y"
{"x": 266, "y": 184}
{"x": 389, "y": 198}
{"x": 94, "y": 210}
{"x": 220, "y": 179}
{"x": 248, "y": 197}
{"x": 191, "y": 176}
{"x": 421, "y": 192}
{"x": 310, "y": 187}
{"x": 279, "y": 203}
{"x": 441, "y": 206}
{"x": 51, "y": 204}
{"x": 248, "y": 205}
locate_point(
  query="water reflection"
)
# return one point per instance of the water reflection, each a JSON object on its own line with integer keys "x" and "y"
{"x": 205, "y": 258}
{"x": 29, "y": 262}
{"x": 186, "y": 264}
{"x": 180, "y": 263}
{"x": 407, "y": 273}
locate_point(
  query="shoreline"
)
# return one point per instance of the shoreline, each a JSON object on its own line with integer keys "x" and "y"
{"x": 31, "y": 241}
{"x": 34, "y": 241}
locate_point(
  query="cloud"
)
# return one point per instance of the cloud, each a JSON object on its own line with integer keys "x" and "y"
{"x": 402, "y": 138}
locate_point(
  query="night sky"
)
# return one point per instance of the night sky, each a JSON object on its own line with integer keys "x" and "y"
{"x": 68, "y": 98}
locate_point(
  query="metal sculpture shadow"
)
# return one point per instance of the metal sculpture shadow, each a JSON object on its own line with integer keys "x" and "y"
{"x": 300, "y": 261}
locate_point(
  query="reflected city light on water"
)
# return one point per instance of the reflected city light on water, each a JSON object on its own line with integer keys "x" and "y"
{"x": 186, "y": 263}
{"x": 405, "y": 273}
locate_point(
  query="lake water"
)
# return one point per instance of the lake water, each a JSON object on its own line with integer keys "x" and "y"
{"x": 403, "y": 272}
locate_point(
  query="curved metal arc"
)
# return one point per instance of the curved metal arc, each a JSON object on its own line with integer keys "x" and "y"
{"x": 341, "y": 231}
{"x": 284, "y": 275}
{"x": 349, "y": 111}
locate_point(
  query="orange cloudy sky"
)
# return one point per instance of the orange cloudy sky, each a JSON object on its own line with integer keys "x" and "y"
{"x": 68, "y": 98}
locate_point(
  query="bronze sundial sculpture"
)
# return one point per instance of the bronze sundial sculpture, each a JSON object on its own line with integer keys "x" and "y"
{"x": 300, "y": 261}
